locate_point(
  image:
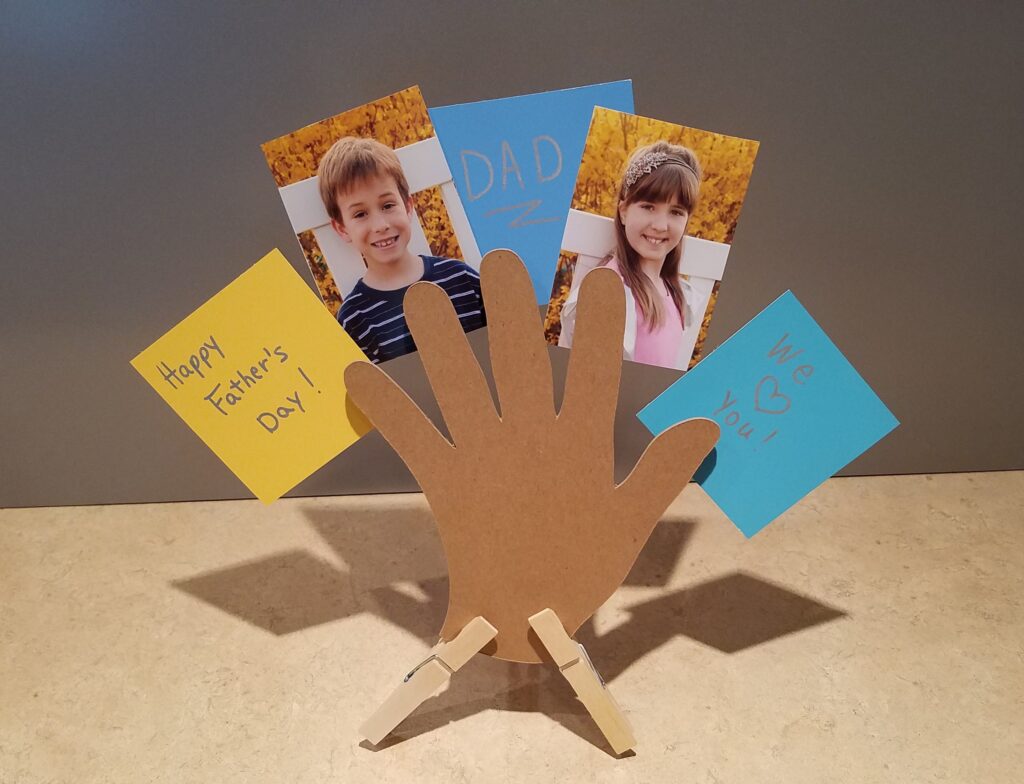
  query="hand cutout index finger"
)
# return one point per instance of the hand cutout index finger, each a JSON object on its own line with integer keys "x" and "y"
{"x": 455, "y": 375}
{"x": 595, "y": 362}
{"x": 519, "y": 353}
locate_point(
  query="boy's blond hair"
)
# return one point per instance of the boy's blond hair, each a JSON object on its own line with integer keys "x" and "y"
{"x": 352, "y": 159}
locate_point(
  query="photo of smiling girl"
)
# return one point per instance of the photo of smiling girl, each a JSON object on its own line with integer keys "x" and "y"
{"x": 658, "y": 193}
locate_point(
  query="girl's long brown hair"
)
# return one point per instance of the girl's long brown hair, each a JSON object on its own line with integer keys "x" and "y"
{"x": 677, "y": 179}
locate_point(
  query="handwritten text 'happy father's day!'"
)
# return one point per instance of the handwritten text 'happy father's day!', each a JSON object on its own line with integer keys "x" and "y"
{"x": 230, "y": 391}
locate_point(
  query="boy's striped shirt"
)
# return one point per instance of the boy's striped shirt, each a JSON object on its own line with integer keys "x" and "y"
{"x": 376, "y": 322}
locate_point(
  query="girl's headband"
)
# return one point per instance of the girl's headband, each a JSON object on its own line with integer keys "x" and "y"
{"x": 647, "y": 163}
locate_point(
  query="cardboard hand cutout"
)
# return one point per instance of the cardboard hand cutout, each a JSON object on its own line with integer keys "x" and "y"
{"x": 525, "y": 500}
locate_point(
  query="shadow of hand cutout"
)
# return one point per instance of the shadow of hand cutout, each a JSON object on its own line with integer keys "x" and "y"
{"x": 729, "y": 613}
{"x": 284, "y": 593}
{"x": 294, "y": 590}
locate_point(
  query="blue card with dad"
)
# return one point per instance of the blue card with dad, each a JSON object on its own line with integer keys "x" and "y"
{"x": 792, "y": 410}
{"x": 515, "y": 160}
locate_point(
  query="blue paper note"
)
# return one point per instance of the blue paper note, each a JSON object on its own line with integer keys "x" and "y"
{"x": 515, "y": 162}
{"x": 792, "y": 409}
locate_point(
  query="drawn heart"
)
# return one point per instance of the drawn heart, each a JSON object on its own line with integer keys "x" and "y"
{"x": 772, "y": 383}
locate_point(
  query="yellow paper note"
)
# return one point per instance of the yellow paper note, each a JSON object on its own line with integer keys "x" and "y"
{"x": 258, "y": 372}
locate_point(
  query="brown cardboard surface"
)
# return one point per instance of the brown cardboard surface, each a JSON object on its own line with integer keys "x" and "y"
{"x": 526, "y": 502}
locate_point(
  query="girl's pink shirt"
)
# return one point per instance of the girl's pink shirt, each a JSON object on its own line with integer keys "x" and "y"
{"x": 658, "y": 346}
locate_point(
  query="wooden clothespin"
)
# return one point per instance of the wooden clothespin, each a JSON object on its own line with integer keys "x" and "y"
{"x": 427, "y": 678}
{"x": 574, "y": 663}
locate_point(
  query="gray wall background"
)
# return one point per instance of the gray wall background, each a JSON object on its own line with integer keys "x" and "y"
{"x": 887, "y": 194}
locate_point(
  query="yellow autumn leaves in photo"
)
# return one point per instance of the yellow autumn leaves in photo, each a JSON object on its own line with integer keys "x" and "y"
{"x": 727, "y": 163}
{"x": 398, "y": 120}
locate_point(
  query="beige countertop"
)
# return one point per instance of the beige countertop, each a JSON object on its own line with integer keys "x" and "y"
{"x": 874, "y": 633}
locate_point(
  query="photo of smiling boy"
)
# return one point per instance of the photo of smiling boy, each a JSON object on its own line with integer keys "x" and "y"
{"x": 367, "y": 198}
